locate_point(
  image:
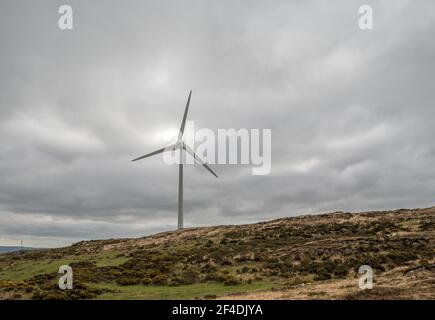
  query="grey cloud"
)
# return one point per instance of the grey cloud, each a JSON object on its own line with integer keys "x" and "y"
{"x": 351, "y": 112}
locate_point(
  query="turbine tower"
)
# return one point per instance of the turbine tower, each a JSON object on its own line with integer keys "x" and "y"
{"x": 181, "y": 146}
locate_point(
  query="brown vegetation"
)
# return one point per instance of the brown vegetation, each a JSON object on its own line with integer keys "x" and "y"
{"x": 321, "y": 251}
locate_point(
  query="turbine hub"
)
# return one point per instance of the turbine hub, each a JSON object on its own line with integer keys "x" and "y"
{"x": 179, "y": 144}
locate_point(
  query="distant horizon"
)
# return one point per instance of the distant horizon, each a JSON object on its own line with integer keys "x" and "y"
{"x": 7, "y": 249}
{"x": 205, "y": 226}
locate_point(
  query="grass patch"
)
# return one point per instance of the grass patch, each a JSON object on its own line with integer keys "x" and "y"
{"x": 23, "y": 270}
{"x": 110, "y": 259}
{"x": 141, "y": 292}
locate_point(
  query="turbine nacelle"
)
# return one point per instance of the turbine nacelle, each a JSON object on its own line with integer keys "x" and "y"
{"x": 179, "y": 144}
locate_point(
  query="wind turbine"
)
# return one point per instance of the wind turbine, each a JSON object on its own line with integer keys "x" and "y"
{"x": 182, "y": 146}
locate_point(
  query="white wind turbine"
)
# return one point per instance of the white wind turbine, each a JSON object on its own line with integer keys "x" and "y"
{"x": 182, "y": 146}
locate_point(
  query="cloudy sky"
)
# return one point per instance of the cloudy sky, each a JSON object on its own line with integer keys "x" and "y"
{"x": 351, "y": 112}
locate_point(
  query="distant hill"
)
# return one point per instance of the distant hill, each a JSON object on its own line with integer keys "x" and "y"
{"x": 4, "y": 249}
{"x": 304, "y": 257}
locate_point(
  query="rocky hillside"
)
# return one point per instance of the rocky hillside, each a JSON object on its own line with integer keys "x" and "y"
{"x": 308, "y": 257}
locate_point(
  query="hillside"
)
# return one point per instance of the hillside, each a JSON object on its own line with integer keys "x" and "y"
{"x": 305, "y": 257}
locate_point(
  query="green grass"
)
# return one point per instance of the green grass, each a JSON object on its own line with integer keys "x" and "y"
{"x": 27, "y": 269}
{"x": 110, "y": 258}
{"x": 23, "y": 270}
{"x": 139, "y": 292}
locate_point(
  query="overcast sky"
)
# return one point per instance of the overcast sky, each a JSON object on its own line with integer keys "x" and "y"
{"x": 351, "y": 112}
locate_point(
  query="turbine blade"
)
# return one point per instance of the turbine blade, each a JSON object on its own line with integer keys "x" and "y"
{"x": 184, "y": 117}
{"x": 151, "y": 154}
{"x": 197, "y": 158}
